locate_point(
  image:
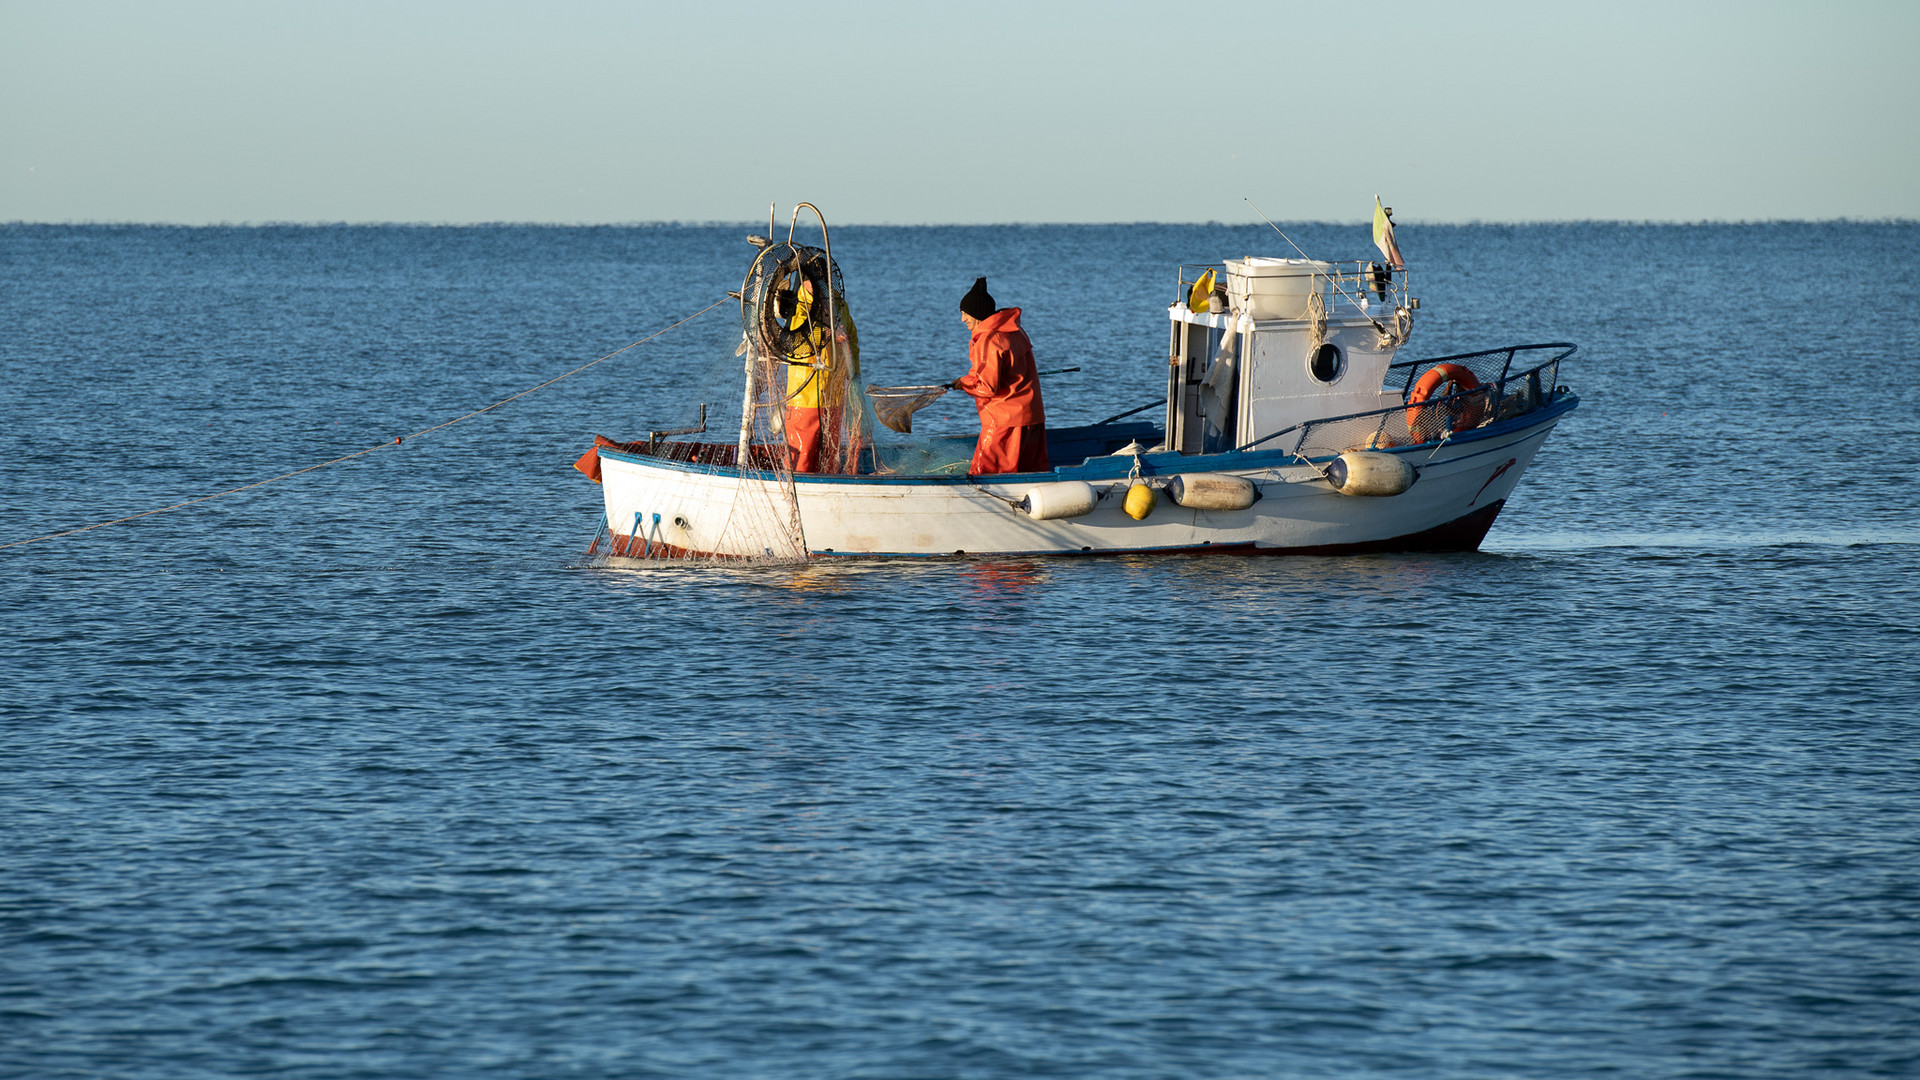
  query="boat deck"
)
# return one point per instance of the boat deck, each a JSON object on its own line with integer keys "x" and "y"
{"x": 931, "y": 455}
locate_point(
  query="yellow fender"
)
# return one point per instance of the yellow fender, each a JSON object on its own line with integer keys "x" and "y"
{"x": 1140, "y": 502}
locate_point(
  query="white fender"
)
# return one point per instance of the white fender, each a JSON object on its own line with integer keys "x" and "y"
{"x": 1369, "y": 472}
{"x": 1063, "y": 499}
{"x": 1211, "y": 491}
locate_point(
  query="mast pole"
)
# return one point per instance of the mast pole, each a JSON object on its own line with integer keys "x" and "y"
{"x": 749, "y": 393}
{"x": 746, "y": 404}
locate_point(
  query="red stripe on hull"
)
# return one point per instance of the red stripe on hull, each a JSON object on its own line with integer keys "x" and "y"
{"x": 639, "y": 547}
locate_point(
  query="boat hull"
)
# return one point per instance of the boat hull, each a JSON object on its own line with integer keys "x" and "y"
{"x": 665, "y": 509}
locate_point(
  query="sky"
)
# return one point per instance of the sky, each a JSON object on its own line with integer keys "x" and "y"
{"x": 571, "y": 111}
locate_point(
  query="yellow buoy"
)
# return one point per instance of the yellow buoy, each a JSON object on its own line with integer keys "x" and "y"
{"x": 1201, "y": 294}
{"x": 1140, "y": 500}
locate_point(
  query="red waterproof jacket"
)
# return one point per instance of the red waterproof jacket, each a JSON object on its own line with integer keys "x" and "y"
{"x": 1002, "y": 381}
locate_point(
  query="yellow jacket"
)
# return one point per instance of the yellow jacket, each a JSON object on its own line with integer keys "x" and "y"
{"x": 809, "y": 387}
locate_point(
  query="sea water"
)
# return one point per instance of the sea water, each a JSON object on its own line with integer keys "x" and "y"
{"x": 364, "y": 773}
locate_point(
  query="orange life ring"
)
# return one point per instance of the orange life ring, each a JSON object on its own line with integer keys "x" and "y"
{"x": 1437, "y": 376}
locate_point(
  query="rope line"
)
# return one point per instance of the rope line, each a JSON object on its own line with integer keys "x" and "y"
{"x": 362, "y": 453}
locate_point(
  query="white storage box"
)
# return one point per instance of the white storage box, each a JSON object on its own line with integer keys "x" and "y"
{"x": 1264, "y": 288}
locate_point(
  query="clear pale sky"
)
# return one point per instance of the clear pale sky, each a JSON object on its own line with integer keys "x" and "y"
{"x": 438, "y": 111}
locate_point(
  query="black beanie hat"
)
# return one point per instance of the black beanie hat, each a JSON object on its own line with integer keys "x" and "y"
{"x": 978, "y": 302}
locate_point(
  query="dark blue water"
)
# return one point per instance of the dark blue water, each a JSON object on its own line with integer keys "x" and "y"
{"x": 360, "y": 775}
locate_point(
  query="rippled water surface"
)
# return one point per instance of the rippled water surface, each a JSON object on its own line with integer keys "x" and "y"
{"x": 361, "y": 774}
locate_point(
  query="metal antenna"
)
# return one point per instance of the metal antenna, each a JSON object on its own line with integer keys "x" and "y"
{"x": 1276, "y": 228}
{"x": 1334, "y": 281}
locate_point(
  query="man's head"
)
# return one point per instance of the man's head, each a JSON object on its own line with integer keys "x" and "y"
{"x": 977, "y": 304}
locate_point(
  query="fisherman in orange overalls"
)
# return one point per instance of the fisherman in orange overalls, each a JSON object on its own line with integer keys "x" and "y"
{"x": 1004, "y": 387}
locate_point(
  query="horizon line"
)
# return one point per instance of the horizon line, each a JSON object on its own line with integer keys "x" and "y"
{"x": 712, "y": 224}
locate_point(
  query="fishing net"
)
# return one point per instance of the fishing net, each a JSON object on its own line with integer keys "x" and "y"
{"x": 794, "y": 315}
{"x": 800, "y": 412}
{"x": 935, "y": 455}
{"x": 894, "y": 406}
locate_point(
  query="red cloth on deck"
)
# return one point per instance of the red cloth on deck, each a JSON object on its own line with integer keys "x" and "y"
{"x": 1006, "y": 390}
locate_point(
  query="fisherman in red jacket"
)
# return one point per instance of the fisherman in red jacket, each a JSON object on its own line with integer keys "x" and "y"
{"x": 1004, "y": 387}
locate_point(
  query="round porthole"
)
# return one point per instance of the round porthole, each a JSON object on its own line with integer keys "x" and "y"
{"x": 1326, "y": 363}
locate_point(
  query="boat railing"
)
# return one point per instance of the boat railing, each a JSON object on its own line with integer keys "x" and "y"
{"x": 1487, "y": 365}
{"x": 1353, "y": 286}
{"x": 761, "y": 456}
{"x": 1484, "y": 388}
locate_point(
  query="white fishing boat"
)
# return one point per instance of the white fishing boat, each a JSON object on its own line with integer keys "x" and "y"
{"x": 1290, "y": 426}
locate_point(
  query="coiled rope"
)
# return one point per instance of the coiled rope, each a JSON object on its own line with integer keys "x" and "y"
{"x": 381, "y": 446}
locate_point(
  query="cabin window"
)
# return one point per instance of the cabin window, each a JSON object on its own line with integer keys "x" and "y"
{"x": 1326, "y": 363}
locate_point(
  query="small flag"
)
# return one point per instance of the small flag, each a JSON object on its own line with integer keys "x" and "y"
{"x": 1383, "y": 236}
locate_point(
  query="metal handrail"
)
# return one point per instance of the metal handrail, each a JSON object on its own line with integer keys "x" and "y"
{"x": 1493, "y": 390}
{"x": 1351, "y": 279}
{"x": 1506, "y": 370}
